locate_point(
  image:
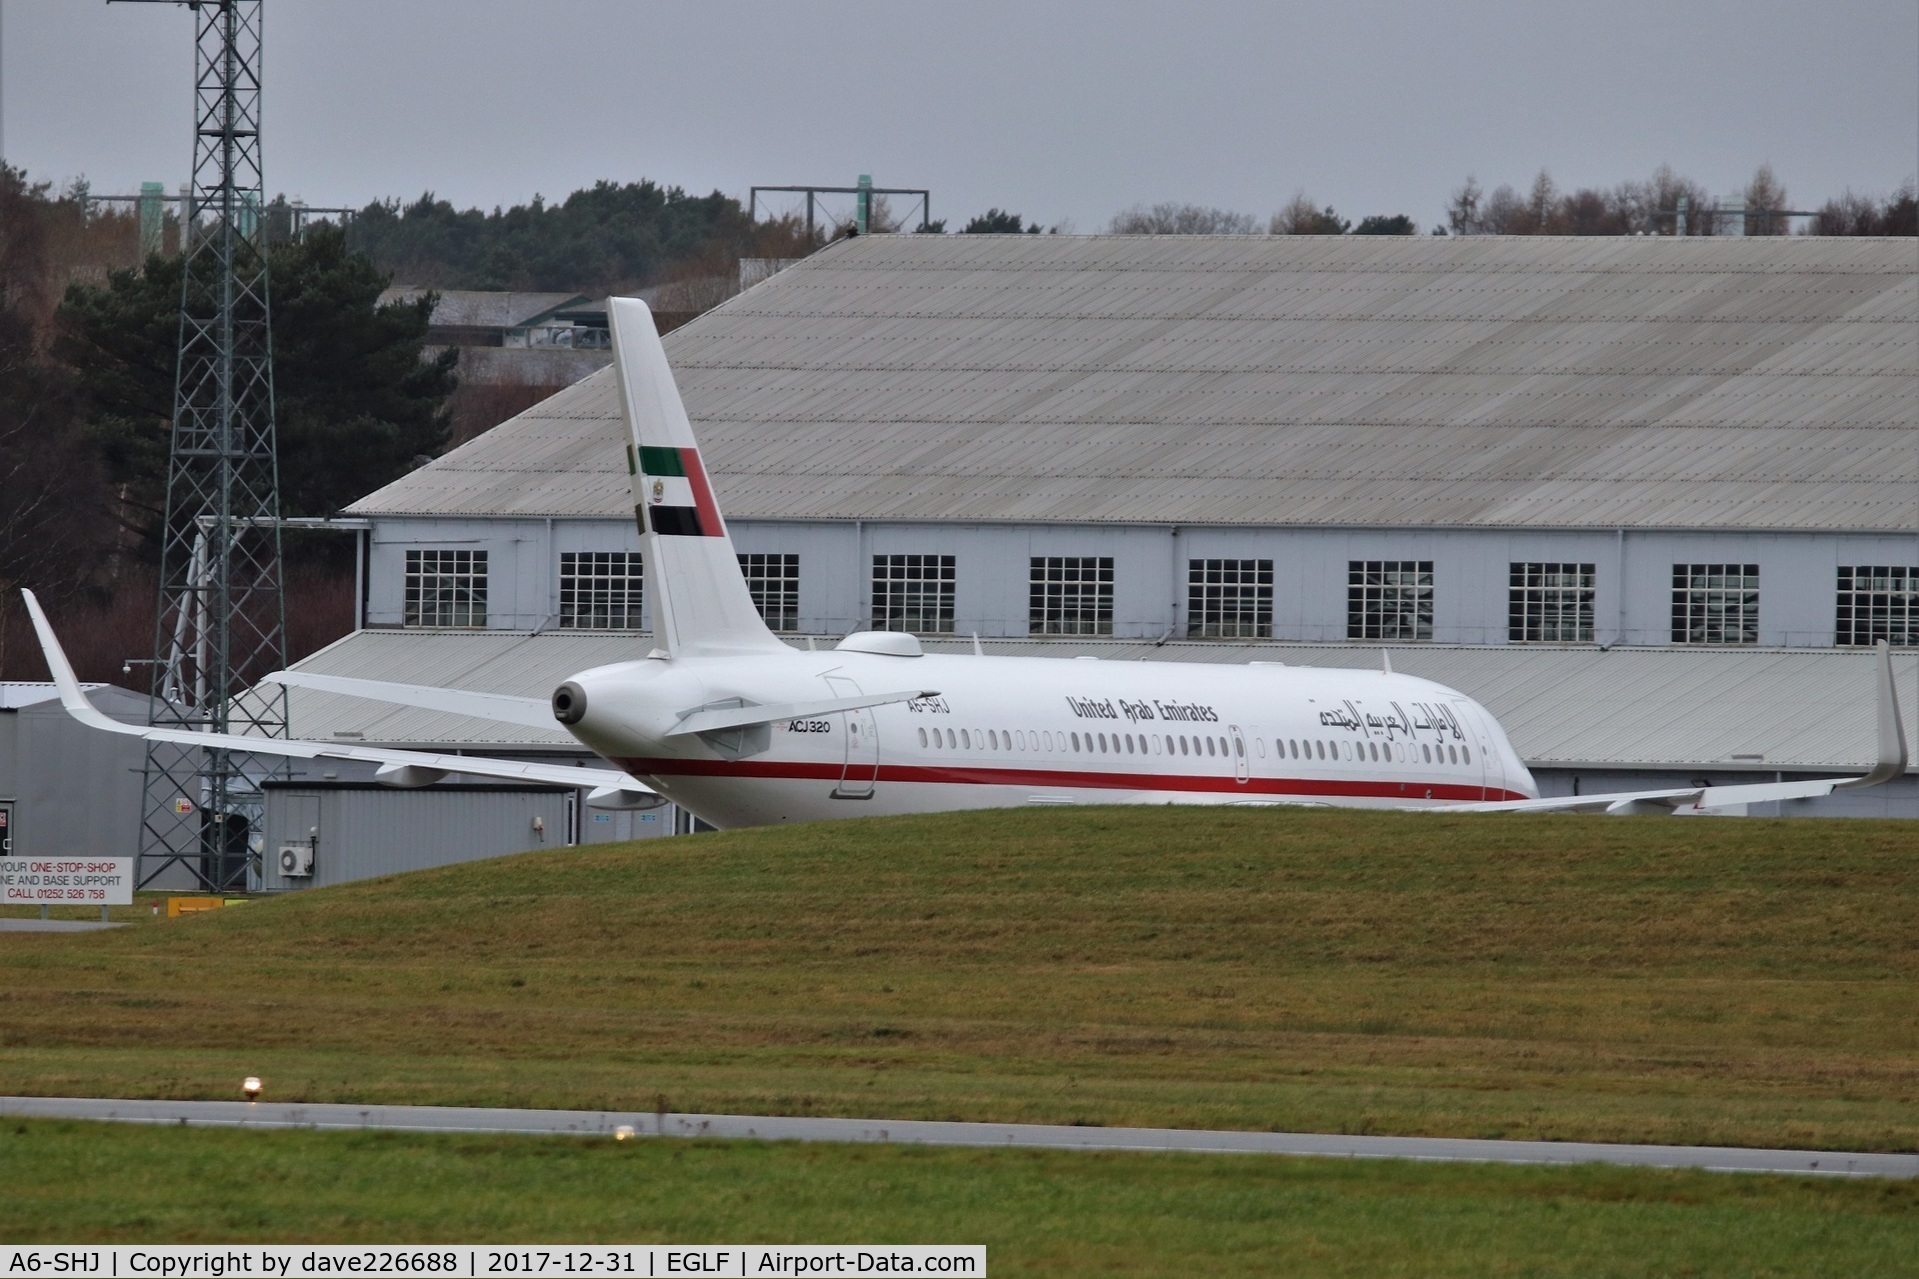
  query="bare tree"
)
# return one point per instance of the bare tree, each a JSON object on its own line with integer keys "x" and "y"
{"x": 1853, "y": 214}
{"x": 1765, "y": 200}
{"x": 1505, "y": 212}
{"x": 1462, "y": 211}
{"x": 1180, "y": 219}
{"x": 1542, "y": 206}
{"x": 1303, "y": 217}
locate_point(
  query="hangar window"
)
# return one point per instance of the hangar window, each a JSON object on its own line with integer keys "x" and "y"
{"x": 913, "y": 593}
{"x": 1715, "y": 603}
{"x": 1389, "y": 599}
{"x": 1229, "y": 599}
{"x": 774, "y": 583}
{"x": 1878, "y": 603}
{"x": 1550, "y": 604}
{"x": 445, "y": 588}
{"x": 1070, "y": 595}
{"x": 600, "y": 590}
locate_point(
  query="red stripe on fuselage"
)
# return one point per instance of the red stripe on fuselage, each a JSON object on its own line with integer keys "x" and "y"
{"x": 953, "y": 775}
{"x": 710, "y": 523}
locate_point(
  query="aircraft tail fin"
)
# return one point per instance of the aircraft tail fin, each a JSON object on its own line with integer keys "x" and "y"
{"x": 694, "y": 587}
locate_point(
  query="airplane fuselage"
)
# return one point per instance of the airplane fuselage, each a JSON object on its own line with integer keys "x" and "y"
{"x": 1013, "y": 731}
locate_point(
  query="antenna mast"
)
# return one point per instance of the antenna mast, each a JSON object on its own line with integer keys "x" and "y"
{"x": 222, "y": 616}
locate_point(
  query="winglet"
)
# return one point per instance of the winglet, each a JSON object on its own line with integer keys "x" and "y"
{"x": 1892, "y": 732}
{"x": 71, "y": 695}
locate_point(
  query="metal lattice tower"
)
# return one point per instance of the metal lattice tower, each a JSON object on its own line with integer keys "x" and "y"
{"x": 222, "y": 620}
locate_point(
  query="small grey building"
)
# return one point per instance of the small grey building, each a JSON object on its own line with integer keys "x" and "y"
{"x": 66, "y": 789}
{"x": 320, "y": 833}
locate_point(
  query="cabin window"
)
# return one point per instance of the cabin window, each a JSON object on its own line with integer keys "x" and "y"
{"x": 1550, "y": 604}
{"x": 913, "y": 593}
{"x": 1070, "y": 595}
{"x": 966, "y": 740}
{"x": 1262, "y": 747}
{"x": 1465, "y": 754}
{"x": 1129, "y": 744}
{"x": 1427, "y": 751}
{"x": 1076, "y": 743}
{"x": 1715, "y": 603}
{"x": 774, "y": 583}
{"x": 1209, "y": 746}
{"x": 1229, "y": 599}
{"x": 1389, "y": 599}
{"x": 1239, "y": 749}
{"x": 600, "y": 590}
{"x": 922, "y": 739}
{"x": 952, "y": 740}
{"x": 1452, "y": 756}
{"x": 1877, "y": 603}
{"x": 445, "y": 588}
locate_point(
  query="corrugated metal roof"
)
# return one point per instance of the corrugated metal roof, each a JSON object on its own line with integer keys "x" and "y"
{"x": 1272, "y": 380}
{"x": 1622, "y": 708}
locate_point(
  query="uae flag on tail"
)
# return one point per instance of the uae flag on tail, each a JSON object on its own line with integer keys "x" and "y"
{"x": 676, "y": 500}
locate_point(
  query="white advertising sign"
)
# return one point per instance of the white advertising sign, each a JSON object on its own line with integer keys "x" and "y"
{"x": 66, "y": 881}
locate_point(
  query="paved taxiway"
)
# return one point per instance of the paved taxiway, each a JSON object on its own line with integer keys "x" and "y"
{"x": 943, "y": 1133}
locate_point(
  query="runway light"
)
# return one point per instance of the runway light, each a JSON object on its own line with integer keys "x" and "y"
{"x": 250, "y": 1087}
{"x": 623, "y": 1133}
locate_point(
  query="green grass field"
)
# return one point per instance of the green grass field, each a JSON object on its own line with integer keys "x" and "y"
{"x": 1736, "y": 981}
{"x": 1038, "y": 1212}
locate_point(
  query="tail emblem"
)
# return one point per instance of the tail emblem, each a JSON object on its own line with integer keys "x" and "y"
{"x": 682, "y": 500}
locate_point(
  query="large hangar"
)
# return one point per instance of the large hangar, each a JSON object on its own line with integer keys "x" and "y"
{"x": 1577, "y": 478}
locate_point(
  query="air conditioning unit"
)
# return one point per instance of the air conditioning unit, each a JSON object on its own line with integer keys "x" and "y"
{"x": 296, "y": 861}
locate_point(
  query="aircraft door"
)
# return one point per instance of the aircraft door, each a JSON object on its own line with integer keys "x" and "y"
{"x": 861, "y": 739}
{"x": 1242, "y": 763}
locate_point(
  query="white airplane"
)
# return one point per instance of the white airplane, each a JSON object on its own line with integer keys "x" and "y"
{"x": 742, "y": 729}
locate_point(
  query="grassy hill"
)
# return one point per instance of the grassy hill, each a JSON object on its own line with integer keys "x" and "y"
{"x": 1636, "y": 979}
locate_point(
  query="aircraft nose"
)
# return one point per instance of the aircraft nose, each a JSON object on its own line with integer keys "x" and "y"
{"x": 569, "y": 703}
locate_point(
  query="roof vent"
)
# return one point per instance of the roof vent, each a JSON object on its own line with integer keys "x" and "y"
{"x": 890, "y": 643}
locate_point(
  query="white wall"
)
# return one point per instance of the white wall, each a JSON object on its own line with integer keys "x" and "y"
{"x": 1470, "y": 568}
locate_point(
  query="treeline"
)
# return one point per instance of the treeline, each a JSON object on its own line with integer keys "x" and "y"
{"x": 607, "y": 238}
{"x": 87, "y": 359}
{"x": 1652, "y": 206}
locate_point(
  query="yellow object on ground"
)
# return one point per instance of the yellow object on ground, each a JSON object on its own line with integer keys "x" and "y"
{"x": 178, "y": 906}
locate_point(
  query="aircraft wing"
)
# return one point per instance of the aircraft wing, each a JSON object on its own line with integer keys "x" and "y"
{"x": 1891, "y": 764}
{"x": 609, "y": 788}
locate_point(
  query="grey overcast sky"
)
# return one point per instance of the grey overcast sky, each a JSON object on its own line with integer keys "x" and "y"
{"x": 1062, "y": 111}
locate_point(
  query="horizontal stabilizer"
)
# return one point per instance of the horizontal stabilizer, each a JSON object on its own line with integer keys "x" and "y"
{"x": 721, "y": 719}
{"x": 528, "y": 712}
